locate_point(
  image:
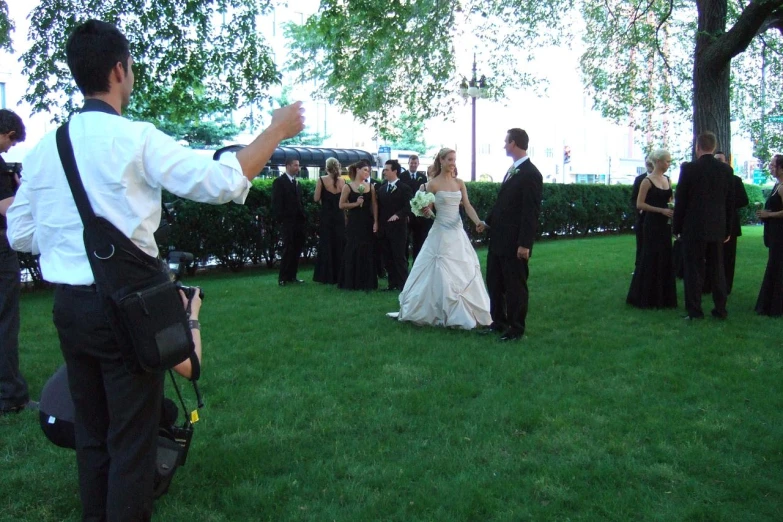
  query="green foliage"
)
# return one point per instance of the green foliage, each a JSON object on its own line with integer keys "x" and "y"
{"x": 200, "y": 134}
{"x": 6, "y": 27}
{"x": 375, "y": 57}
{"x": 190, "y": 57}
{"x": 406, "y": 133}
{"x": 639, "y": 64}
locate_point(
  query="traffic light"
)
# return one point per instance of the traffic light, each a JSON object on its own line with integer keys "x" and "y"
{"x": 566, "y": 154}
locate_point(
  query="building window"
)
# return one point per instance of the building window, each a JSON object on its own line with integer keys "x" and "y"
{"x": 485, "y": 149}
{"x": 2, "y": 95}
{"x": 640, "y": 170}
{"x": 550, "y": 153}
{"x": 591, "y": 178}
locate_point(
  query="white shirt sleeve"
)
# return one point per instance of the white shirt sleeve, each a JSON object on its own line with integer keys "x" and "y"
{"x": 189, "y": 175}
{"x": 21, "y": 226}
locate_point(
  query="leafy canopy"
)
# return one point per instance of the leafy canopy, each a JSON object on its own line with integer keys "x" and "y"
{"x": 191, "y": 58}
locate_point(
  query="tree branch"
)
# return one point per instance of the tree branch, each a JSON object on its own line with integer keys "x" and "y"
{"x": 737, "y": 39}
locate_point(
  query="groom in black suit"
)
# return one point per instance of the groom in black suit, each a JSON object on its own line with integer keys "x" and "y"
{"x": 394, "y": 207}
{"x": 703, "y": 207}
{"x": 288, "y": 209}
{"x": 512, "y": 224}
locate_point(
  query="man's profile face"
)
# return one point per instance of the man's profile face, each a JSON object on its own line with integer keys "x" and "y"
{"x": 127, "y": 84}
{"x": 509, "y": 145}
{"x": 413, "y": 165}
{"x": 388, "y": 173}
{"x": 293, "y": 168}
{"x": 7, "y": 141}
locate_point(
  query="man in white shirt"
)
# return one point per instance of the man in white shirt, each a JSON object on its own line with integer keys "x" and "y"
{"x": 124, "y": 166}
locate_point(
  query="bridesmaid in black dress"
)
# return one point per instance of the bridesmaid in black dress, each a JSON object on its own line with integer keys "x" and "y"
{"x": 358, "y": 198}
{"x": 770, "y": 301}
{"x": 331, "y": 233}
{"x": 652, "y": 285}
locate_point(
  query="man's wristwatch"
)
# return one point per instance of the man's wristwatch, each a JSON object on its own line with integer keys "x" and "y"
{"x": 193, "y": 324}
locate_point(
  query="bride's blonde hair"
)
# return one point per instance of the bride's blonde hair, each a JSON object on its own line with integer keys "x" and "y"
{"x": 437, "y": 167}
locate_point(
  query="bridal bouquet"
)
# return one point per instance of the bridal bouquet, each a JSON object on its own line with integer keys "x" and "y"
{"x": 421, "y": 200}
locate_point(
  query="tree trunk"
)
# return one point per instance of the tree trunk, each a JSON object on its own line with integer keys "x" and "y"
{"x": 711, "y": 77}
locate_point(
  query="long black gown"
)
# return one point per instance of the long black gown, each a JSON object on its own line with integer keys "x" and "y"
{"x": 770, "y": 301}
{"x": 358, "y": 268}
{"x": 331, "y": 239}
{"x": 652, "y": 285}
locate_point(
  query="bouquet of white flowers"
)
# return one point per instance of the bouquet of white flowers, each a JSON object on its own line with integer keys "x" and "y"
{"x": 420, "y": 200}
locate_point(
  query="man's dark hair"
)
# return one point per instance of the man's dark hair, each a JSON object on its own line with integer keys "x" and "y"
{"x": 290, "y": 161}
{"x": 92, "y": 51}
{"x": 11, "y": 122}
{"x": 395, "y": 165}
{"x": 707, "y": 141}
{"x": 778, "y": 159}
{"x": 519, "y": 137}
{"x": 413, "y": 157}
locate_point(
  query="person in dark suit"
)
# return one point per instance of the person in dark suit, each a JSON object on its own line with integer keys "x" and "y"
{"x": 419, "y": 227}
{"x": 288, "y": 209}
{"x": 639, "y": 213}
{"x": 394, "y": 207}
{"x": 730, "y": 247}
{"x": 512, "y": 224}
{"x": 703, "y": 209}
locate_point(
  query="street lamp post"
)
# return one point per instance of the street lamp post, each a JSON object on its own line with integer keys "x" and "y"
{"x": 473, "y": 89}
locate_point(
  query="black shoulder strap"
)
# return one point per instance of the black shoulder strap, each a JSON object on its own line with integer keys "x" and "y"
{"x": 67, "y": 158}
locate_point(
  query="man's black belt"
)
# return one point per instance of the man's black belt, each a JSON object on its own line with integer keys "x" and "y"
{"x": 79, "y": 288}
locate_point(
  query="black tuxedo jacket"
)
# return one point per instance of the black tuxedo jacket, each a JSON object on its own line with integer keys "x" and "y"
{"x": 704, "y": 200}
{"x": 396, "y": 202}
{"x": 414, "y": 180}
{"x": 740, "y": 201}
{"x": 514, "y": 218}
{"x": 287, "y": 200}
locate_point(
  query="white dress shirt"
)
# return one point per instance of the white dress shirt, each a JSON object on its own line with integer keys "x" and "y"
{"x": 123, "y": 165}
{"x": 520, "y": 161}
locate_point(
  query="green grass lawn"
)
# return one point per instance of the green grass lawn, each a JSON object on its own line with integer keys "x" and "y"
{"x": 321, "y": 408}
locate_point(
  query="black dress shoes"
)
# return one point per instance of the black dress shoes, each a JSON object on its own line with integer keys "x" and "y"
{"x": 29, "y": 405}
{"x": 494, "y": 328}
{"x": 511, "y": 335}
{"x": 281, "y": 283}
{"x": 720, "y": 315}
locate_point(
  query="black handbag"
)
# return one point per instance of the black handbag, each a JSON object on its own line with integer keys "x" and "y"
{"x": 141, "y": 299}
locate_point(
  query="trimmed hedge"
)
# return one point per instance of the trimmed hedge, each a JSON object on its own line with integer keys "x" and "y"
{"x": 234, "y": 235}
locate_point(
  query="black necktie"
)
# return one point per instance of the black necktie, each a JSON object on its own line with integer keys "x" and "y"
{"x": 389, "y": 187}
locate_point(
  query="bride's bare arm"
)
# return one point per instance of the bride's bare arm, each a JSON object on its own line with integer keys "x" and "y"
{"x": 466, "y": 203}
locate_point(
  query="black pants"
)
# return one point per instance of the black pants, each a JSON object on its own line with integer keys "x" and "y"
{"x": 293, "y": 243}
{"x": 13, "y": 387}
{"x": 116, "y": 413}
{"x": 393, "y": 240}
{"x": 420, "y": 228}
{"x": 698, "y": 257}
{"x": 508, "y": 294}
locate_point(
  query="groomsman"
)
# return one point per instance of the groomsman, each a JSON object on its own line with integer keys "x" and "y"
{"x": 288, "y": 209}
{"x": 419, "y": 226}
{"x": 512, "y": 224}
{"x": 703, "y": 209}
{"x": 730, "y": 247}
{"x": 394, "y": 207}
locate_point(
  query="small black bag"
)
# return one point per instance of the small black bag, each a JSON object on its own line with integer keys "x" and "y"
{"x": 142, "y": 301}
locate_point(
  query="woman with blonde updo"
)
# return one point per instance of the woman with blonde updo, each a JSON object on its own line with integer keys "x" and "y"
{"x": 652, "y": 284}
{"x": 331, "y": 234}
{"x": 445, "y": 286}
{"x": 358, "y": 198}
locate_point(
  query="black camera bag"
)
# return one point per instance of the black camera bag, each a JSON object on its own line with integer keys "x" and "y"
{"x": 141, "y": 299}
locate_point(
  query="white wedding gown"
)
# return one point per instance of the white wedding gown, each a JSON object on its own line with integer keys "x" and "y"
{"x": 445, "y": 286}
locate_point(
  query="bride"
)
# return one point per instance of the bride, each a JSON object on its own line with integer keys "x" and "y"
{"x": 445, "y": 286}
